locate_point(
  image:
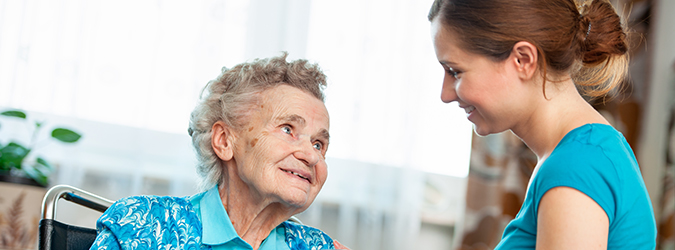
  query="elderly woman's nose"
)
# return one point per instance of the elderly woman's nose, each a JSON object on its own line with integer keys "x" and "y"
{"x": 448, "y": 92}
{"x": 307, "y": 153}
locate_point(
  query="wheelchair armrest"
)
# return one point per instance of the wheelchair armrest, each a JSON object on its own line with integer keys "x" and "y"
{"x": 55, "y": 235}
{"x": 74, "y": 195}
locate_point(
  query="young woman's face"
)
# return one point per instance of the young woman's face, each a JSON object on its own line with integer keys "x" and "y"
{"x": 488, "y": 91}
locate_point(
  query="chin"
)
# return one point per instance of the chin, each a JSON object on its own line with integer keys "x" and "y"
{"x": 297, "y": 200}
{"x": 483, "y": 131}
{"x": 480, "y": 131}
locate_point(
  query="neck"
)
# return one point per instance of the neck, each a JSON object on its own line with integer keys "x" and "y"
{"x": 562, "y": 110}
{"x": 252, "y": 215}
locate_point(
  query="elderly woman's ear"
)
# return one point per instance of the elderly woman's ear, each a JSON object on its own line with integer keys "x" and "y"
{"x": 221, "y": 140}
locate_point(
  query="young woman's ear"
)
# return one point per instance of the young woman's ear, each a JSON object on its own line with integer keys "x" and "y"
{"x": 525, "y": 57}
{"x": 222, "y": 140}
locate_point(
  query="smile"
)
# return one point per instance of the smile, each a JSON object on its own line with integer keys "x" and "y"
{"x": 297, "y": 174}
{"x": 469, "y": 109}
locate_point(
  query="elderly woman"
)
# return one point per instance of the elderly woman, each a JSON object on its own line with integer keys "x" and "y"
{"x": 261, "y": 135}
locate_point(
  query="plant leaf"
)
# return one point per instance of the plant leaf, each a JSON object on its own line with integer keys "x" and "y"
{"x": 12, "y": 155}
{"x": 65, "y": 135}
{"x": 14, "y": 113}
{"x": 43, "y": 164}
{"x": 36, "y": 174}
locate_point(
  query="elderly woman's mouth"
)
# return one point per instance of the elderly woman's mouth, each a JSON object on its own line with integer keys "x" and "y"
{"x": 302, "y": 176}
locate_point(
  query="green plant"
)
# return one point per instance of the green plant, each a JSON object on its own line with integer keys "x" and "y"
{"x": 13, "y": 156}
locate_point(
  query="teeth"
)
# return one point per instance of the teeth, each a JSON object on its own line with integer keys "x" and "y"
{"x": 296, "y": 174}
{"x": 469, "y": 109}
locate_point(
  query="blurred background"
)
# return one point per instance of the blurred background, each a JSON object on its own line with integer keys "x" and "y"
{"x": 405, "y": 170}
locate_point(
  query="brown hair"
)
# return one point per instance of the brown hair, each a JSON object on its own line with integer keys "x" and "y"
{"x": 229, "y": 98}
{"x": 585, "y": 39}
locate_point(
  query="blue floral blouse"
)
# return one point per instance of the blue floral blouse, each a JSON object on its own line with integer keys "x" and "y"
{"x": 195, "y": 222}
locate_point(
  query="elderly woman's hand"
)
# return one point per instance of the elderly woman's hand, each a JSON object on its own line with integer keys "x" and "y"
{"x": 338, "y": 245}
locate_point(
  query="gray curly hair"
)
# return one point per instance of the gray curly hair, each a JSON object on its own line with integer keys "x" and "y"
{"x": 229, "y": 97}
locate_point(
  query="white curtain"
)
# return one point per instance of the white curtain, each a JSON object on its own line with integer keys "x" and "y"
{"x": 128, "y": 73}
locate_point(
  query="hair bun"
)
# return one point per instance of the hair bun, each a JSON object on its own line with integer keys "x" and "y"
{"x": 602, "y": 32}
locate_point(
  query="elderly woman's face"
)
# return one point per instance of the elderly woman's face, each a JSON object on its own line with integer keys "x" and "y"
{"x": 280, "y": 152}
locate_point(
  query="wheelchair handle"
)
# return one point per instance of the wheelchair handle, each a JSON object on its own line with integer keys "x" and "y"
{"x": 74, "y": 195}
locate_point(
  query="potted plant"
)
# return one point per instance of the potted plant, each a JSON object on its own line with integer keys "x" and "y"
{"x": 23, "y": 178}
{"x": 13, "y": 156}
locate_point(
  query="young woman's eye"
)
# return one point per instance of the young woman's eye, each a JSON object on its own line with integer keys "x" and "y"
{"x": 286, "y": 129}
{"x": 318, "y": 146}
{"x": 454, "y": 73}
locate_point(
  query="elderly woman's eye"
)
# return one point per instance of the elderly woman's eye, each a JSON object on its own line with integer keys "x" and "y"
{"x": 318, "y": 145}
{"x": 286, "y": 129}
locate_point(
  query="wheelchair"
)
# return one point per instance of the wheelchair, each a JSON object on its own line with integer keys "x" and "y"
{"x": 56, "y": 235}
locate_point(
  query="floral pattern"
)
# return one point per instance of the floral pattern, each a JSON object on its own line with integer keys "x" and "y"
{"x": 153, "y": 222}
{"x": 300, "y": 237}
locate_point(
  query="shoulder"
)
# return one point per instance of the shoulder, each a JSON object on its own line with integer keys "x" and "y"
{"x": 305, "y": 237}
{"x": 152, "y": 221}
{"x": 134, "y": 209}
{"x": 601, "y": 137}
{"x": 589, "y": 150}
{"x": 595, "y": 160}
{"x": 593, "y": 151}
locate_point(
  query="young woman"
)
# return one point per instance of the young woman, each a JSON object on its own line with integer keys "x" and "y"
{"x": 520, "y": 65}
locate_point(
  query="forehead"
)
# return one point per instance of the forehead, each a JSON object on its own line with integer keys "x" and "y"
{"x": 443, "y": 38}
{"x": 448, "y": 49}
{"x": 291, "y": 104}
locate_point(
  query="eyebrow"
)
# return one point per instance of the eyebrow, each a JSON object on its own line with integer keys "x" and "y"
{"x": 447, "y": 63}
{"x": 324, "y": 134}
{"x": 292, "y": 118}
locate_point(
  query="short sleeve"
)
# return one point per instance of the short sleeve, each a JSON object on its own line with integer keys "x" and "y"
{"x": 585, "y": 168}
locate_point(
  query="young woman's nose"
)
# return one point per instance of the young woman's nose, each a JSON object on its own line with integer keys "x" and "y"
{"x": 448, "y": 93}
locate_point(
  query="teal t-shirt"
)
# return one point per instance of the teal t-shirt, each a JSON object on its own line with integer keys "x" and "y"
{"x": 596, "y": 160}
